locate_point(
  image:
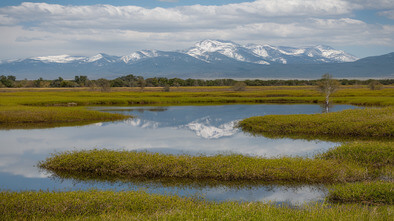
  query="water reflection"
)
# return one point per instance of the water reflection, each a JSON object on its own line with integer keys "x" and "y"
{"x": 177, "y": 130}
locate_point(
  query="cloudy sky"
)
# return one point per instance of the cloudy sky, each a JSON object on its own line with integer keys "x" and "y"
{"x": 119, "y": 27}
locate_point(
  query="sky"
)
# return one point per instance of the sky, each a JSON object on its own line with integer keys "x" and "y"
{"x": 119, "y": 27}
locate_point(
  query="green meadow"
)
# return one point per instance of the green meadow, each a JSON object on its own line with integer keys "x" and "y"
{"x": 26, "y": 108}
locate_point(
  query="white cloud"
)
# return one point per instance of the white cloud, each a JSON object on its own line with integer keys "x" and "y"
{"x": 389, "y": 14}
{"x": 371, "y": 4}
{"x": 52, "y": 29}
{"x": 126, "y": 17}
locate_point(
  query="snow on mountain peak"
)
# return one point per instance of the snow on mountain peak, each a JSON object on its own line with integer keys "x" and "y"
{"x": 59, "y": 59}
{"x": 95, "y": 58}
{"x": 203, "y": 50}
{"x": 214, "y": 45}
{"x": 212, "y": 51}
{"x": 337, "y": 55}
{"x": 135, "y": 56}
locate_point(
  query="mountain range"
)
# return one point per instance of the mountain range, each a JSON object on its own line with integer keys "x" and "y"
{"x": 209, "y": 59}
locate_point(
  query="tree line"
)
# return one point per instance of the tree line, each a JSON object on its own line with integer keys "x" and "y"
{"x": 10, "y": 81}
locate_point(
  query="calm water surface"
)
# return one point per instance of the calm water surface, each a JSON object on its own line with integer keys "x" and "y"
{"x": 176, "y": 130}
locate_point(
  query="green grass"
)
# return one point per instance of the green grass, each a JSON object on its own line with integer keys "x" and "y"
{"x": 131, "y": 164}
{"x": 369, "y": 123}
{"x": 110, "y": 205}
{"x": 367, "y": 193}
{"x": 361, "y": 96}
{"x": 17, "y": 105}
{"x": 377, "y": 157}
{"x": 37, "y": 117}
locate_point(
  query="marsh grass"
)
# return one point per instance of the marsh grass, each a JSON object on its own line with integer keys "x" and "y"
{"x": 138, "y": 205}
{"x": 374, "y": 193}
{"x": 22, "y": 117}
{"x": 26, "y": 104}
{"x": 131, "y": 164}
{"x": 358, "y": 123}
{"x": 376, "y": 157}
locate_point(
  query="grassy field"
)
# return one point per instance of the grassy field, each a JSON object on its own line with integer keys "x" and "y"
{"x": 369, "y": 123}
{"x": 26, "y": 108}
{"x": 110, "y": 205}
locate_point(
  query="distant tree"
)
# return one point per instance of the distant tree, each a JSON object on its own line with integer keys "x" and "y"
{"x": 57, "y": 82}
{"x": 7, "y": 81}
{"x": 166, "y": 88}
{"x": 66, "y": 83}
{"x": 38, "y": 82}
{"x": 81, "y": 80}
{"x": 163, "y": 81}
{"x": 239, "y": 86}
{"x": 141, "y": 82}
{"x": 104, "y": 84}
{"x": 375, "y": 85}
{"x": 327, "y": 86}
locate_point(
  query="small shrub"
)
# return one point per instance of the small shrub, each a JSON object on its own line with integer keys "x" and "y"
{"x": 375, "y": 85}
{"x": 166, "y": 88}
{"x": 239, "y": 86}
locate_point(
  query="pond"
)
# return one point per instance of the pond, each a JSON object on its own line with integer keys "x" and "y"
{"x": 175, "y": 130}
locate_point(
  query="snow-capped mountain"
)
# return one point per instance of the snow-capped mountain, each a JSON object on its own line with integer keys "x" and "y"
{"x": 207, "y": 59}
{"x": 214, "y": 50}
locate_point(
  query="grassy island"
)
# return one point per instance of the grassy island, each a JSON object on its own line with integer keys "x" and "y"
{"x": 368, "y": 123}
{"x": 131, "y": 164}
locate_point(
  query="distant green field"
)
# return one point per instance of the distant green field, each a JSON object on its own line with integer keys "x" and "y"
{"x": 26, "y": 108}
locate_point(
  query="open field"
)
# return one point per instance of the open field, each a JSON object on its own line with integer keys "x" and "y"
{"x": 110, "y": 205}
{"x": 26, "y": 108}
{"x": 194, "y": 95}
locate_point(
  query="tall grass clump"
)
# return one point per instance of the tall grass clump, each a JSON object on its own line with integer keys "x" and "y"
{"x": 125, "y": 205}
{"x": 359, "y": 123}
{"x": 377, "y": 192}
{"x": 123, "y": 164}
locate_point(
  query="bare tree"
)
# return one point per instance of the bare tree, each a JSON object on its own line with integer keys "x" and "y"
{"x": 327, "y": 86}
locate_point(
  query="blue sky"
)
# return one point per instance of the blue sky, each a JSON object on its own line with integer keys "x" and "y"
{"x": 119, "y": 27}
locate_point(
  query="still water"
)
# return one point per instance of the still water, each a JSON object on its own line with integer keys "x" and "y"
{"x": 176, "y": 130}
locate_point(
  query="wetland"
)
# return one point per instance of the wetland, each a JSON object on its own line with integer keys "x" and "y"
{"x": 199, "y": 154}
